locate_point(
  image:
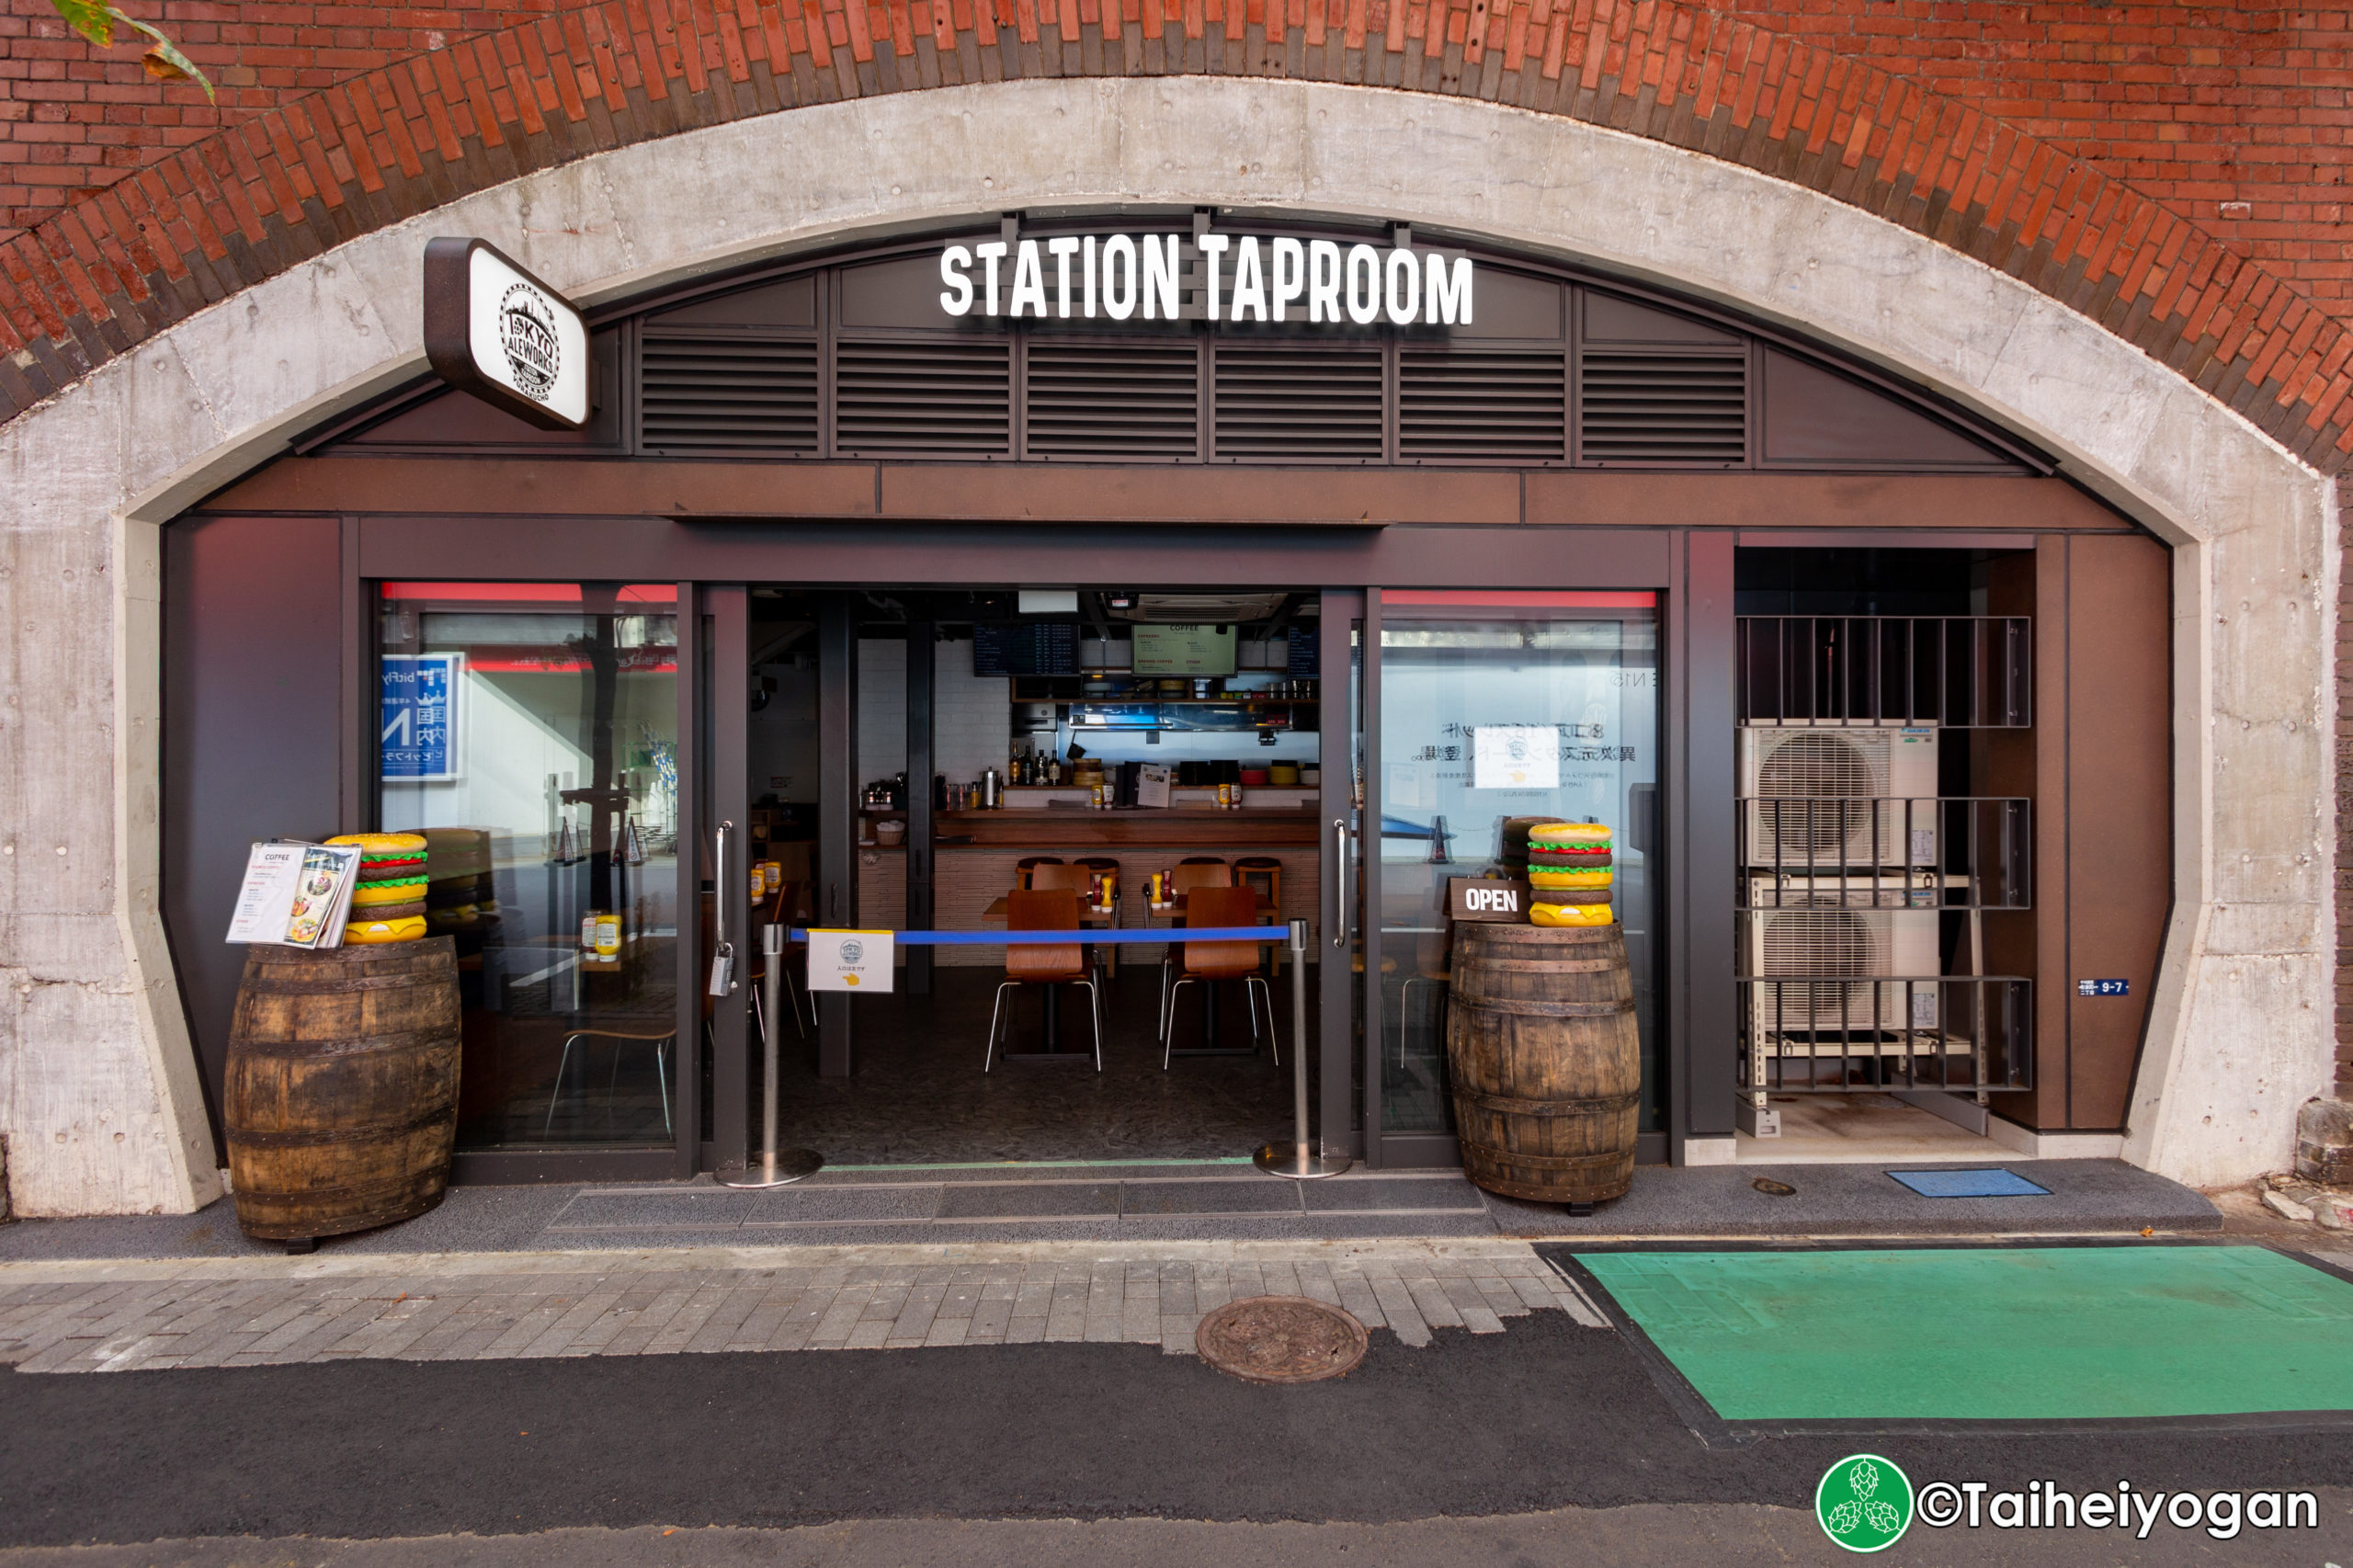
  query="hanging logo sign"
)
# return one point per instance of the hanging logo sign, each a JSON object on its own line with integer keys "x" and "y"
{"x": 850, "y": 961}
{"x": 494, "y": 330}
{"x": 1226, "y": 278}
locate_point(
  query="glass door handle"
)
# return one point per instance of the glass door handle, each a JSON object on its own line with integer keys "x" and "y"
{"x": 722, "y": 958}
{"x": 1340, "y": 881}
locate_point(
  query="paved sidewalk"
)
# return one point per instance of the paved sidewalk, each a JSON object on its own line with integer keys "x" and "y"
{"x": 74, "y": 1316}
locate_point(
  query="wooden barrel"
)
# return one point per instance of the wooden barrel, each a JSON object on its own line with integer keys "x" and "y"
{"x": 1546, "y": 1062}
{"x": 341, "y": 1100}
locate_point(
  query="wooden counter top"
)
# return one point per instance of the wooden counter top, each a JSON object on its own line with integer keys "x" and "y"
{"x": 1175, "y": 827}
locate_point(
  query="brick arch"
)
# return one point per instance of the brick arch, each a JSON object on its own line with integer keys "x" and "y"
{"x": 256, "y": 199}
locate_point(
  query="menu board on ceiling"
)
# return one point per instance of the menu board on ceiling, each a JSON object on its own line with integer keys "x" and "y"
{"x": 1024, "y": 648}
{"x": 1302, "y": 660}
{"x": 1184, "y": 650}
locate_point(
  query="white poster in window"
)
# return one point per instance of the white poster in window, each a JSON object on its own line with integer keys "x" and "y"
{"x": 1515, "y": 756}
{"x": 1409, "y": 785}
{"x": 850, "y": 961}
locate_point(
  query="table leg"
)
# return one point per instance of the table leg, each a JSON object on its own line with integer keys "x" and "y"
{"x": 1052, "y": 1028}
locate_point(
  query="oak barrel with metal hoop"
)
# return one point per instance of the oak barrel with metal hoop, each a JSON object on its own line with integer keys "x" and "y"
{"x": 341, "y": 1099}
{"x": 1546, "y": 1062}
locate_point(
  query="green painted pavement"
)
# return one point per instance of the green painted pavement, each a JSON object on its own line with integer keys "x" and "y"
{"x": 1987, "y": 1334}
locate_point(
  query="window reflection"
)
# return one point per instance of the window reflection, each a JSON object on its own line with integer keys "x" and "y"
{"x": 530, "y": 731}
{"x": 1483, "y": 720}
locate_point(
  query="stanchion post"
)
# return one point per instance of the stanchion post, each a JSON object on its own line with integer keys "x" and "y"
{"x": 1299, "y": 1159}
{"x": 777, "y": 1168}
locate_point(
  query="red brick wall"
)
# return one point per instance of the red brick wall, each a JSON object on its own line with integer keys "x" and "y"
{"x": 2201, "y": 107}
{"x": 73, "y": 119}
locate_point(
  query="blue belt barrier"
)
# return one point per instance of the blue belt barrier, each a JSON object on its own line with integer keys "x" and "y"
{"x": 998, "y": 938}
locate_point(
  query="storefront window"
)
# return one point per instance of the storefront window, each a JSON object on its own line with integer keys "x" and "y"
{"x": 530, "y": 732}
{"x": 1555, "y": 715}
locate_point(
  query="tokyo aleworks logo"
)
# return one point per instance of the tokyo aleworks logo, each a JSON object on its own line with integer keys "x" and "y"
{"x": 1864, "y": 1503}
{"x": 526, "y": 334}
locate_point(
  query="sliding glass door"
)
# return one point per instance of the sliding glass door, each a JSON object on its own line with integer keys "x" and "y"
{"x": 1476, "y": 709}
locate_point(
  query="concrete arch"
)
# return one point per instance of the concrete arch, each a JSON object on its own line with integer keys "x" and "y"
{"x": 101, "y": 1105}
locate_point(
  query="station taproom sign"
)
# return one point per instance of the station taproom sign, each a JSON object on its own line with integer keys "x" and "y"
{"x": 1234, "y": 280}
{"x": 494, "y": 330}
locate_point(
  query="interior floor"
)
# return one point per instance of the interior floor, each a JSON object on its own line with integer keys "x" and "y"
{"x": 918, "y": 1095}
{"x": 1834, "y": 1129}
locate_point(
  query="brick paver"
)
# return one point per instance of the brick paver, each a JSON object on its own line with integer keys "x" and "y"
{"x": 493, "y": 1306}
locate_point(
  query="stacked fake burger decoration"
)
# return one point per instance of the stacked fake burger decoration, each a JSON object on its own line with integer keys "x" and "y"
{"x": 388, "y": 902}
{"x": 1568, "y": 867}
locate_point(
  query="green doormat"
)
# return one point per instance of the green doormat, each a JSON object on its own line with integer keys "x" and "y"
{"x": 1990, "y": 1334}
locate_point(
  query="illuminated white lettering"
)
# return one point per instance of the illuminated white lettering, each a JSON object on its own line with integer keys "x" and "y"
{"x": 989, "y": 253}
{"x": 1249, "y": 281}
{"x": 1028, "y": 282}
{"x": 1448, "y": 296}
{"x": 1117, "y": 305}
{"x": 1213, "y": 247}
{"x": 1160, "y": 265}
{"x": 1403, "y": 292}
{"x": 1062, "y": 249}
{"x": 955, "y": 270}
{"x": 1365, "y": 262}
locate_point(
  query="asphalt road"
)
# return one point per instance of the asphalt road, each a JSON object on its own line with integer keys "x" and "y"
{"x": 1546, "y": 1417}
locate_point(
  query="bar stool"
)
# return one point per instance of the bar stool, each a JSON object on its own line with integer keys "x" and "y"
{"x": 1264, "y": 871}
{"x": 1029, "y": 863}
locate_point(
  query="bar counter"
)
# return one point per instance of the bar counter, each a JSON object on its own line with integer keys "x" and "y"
{"x": 1245, "y": 828}
{"x": 975, "y": 853}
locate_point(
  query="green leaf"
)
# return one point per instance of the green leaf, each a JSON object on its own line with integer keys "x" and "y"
{"x": 163, "y": 59}
{"x": 93, "y": 21}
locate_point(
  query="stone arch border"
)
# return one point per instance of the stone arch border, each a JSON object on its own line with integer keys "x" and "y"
{"x": 102, "y": 1107}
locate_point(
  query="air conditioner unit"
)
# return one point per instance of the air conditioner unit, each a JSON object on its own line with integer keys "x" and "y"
{"x": 1844, "y": 962}
{"x": 1825, "y": 797}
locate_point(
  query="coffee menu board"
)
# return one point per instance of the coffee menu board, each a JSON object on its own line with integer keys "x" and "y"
{"x": 1184, "y": 650}
{"x": 1024, "y": 648}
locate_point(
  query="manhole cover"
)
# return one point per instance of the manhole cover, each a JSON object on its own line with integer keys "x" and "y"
{"x": 1280, "y": 1339}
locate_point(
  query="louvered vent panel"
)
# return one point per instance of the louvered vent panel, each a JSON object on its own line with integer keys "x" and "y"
{"x": 1114, "y": 400}
{"x": 1290, "y": 403}
{"x": 921, "y": 399}
{"x": 1511, "y": 404}
{"x": 729, "y": 395}
{"x": 1656, "y": 408}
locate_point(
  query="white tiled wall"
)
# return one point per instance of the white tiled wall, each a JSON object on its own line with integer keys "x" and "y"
{"x": 882, "y": 710}
{"x": 971, "y": 726}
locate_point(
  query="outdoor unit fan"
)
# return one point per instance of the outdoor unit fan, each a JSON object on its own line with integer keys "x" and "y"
{"x": 1822, "y": 798}
{"x": 1841, "y": 958}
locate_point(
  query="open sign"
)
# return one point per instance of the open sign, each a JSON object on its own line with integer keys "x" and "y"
{"x": 1483, "y": 898}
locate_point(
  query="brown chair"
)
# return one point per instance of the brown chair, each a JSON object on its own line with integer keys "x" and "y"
{"x": 1043, "y": 963}
{"x": 1023, "y": 868}
{"x": 1200, "y": 871}
{"x": 1053, "y": 876}
{"x": 1211, "y": 907}
{"x": 1263, "y": 874}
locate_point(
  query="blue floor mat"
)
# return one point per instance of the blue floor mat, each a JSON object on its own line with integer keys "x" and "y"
{"x": 1970, "y": 1184}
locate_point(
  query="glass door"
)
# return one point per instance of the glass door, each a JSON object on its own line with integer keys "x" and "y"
{"x": 1476, "y": 709}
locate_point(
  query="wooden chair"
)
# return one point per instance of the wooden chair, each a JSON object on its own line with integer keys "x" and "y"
{"x": 1024, "y": 867}
{"x": 1211, "y": 908}
{"x": 1041, "y": 964}
{"x": 1200, "y": 871}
